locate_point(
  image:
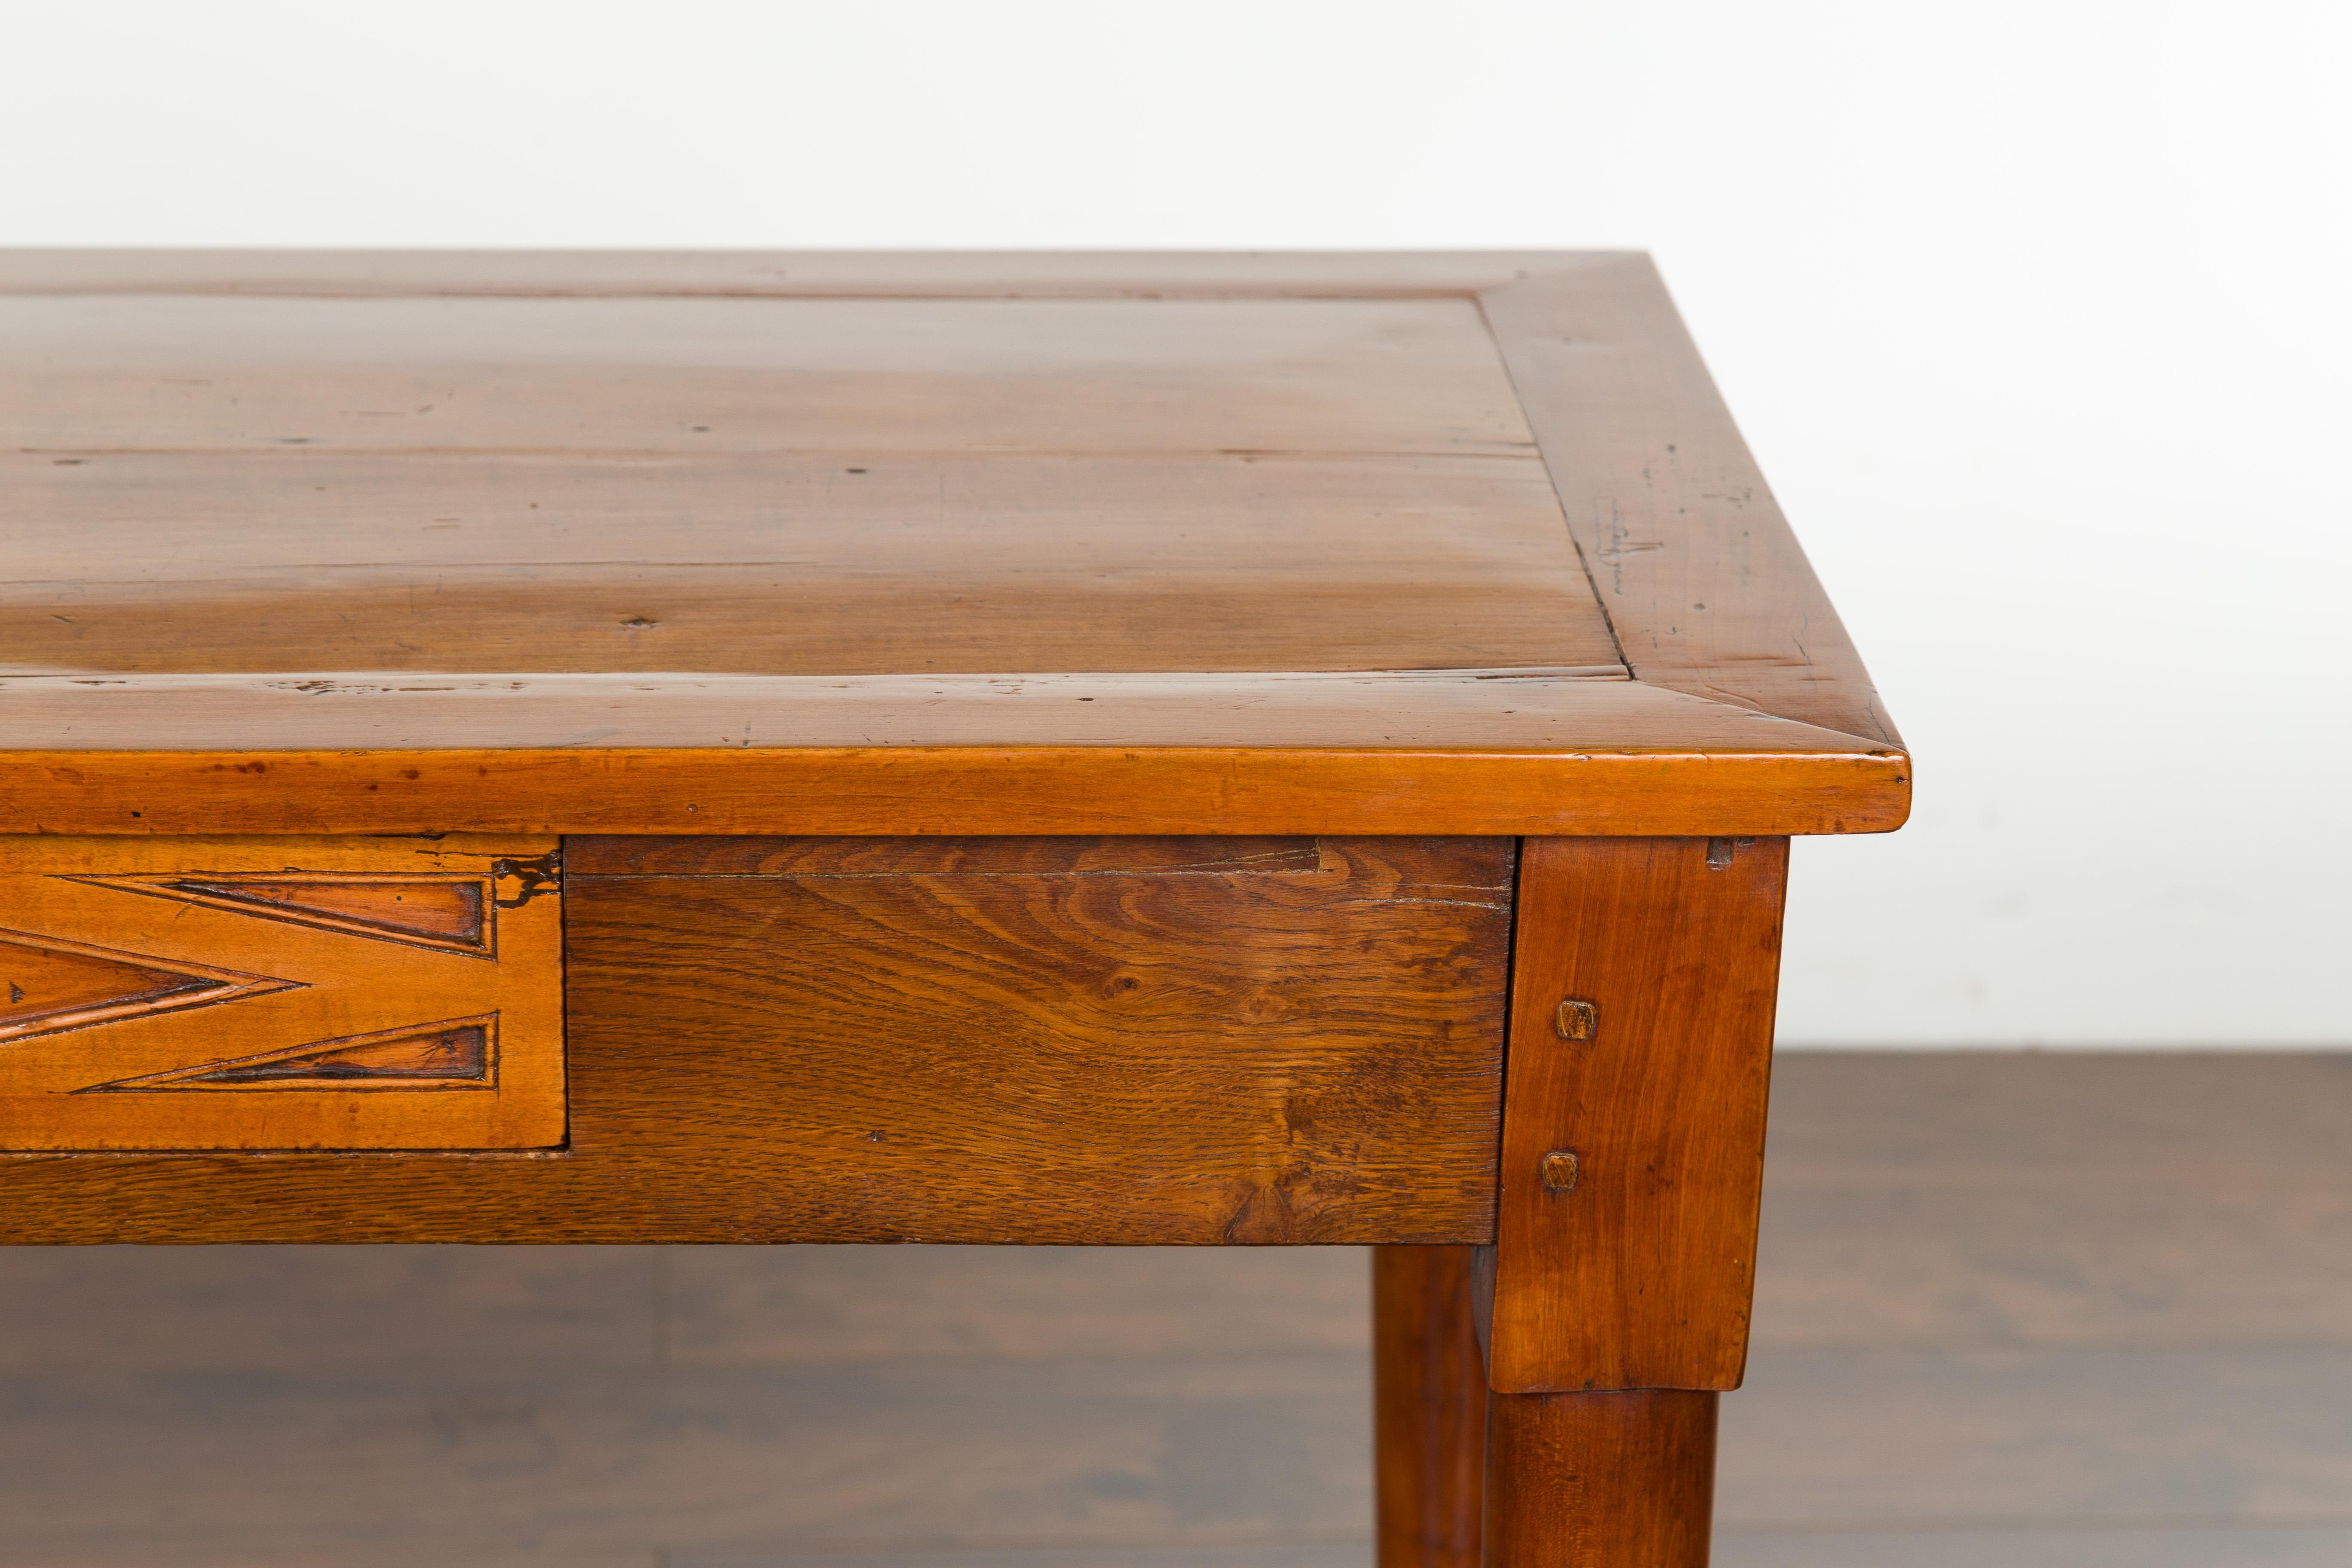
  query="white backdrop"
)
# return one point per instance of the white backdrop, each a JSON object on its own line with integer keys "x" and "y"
{"x": 2036, "y": 314}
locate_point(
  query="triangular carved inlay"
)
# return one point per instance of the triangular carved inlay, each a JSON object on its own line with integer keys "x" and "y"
{"x": 52, "y": 985}
{"x": 451, "y": 913}
{"x": 460, "y": 1053}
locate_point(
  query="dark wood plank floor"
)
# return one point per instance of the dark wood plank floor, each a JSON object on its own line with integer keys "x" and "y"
{"x": 2039, "y": 1312}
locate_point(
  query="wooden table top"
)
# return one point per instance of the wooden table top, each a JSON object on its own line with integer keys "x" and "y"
{"x": 904, "y": 543}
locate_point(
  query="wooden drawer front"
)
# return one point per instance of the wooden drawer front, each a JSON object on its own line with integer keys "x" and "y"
{"x": 280, "y": 993}
{"x": 1072, "y": 1039}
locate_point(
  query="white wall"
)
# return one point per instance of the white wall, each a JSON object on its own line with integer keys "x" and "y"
{"x": 2035, "y": 313}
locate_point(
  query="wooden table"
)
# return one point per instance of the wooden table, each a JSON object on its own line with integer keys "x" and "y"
{"x": 831, "y": 748}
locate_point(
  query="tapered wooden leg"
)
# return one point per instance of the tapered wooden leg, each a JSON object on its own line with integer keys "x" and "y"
{"x": 1631, "y": 1168}
{"x": 1599, "y": 1480}
{"x": 1429, "y": 1407}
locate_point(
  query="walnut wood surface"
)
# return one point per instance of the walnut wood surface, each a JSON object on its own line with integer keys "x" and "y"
{"x": 1128, "y": 1046}
{"x": 1632, "y": 1162}
{"x": 457, "y": 915}
{"x": 1429, "y": 1408}
{"x": 639, "y": 854}
{"x": 81, "y": 375}
{"x": 1707, "y": 588}
{"x": 1601, "y": 1481}
{"x": 278, "y": 994}
{"x": 334, "y": 513}
{"x": 952, "y": 789}
{"x": 887, "y": 562}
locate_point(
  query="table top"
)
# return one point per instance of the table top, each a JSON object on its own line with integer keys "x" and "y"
{"x": 916, "y": 542}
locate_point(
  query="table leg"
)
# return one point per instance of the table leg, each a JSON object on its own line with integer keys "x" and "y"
{"x": 1632, "y": 1167}
{"x": 1633, "y": 1157}
{"x": 1429, "y": 1407}
{"x": 1601, "y": 1481}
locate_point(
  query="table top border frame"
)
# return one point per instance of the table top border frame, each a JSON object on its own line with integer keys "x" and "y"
{"x": 1655, "y": 521}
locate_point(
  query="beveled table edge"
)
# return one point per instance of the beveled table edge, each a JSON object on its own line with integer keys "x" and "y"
{"x": 913, "y": 790}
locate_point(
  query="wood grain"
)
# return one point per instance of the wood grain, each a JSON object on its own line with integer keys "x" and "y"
{"x": 1161, "y": 1053}
{"x": 279, "y": 993}
{"x": 1429, "y": 1409}
{"x": 52, "y": 987}
{"x": 558, "y": 1467}
{"x": 287, "y": 506}
{"x": 791, "y": 564}
{"x": 1999, "y": 1201}
{"x": 964, "y": 789}
{"x": 2033, "y": 1331}
{"x": 83, "y": 375}
{"x": 1601, "y": 1481}
{"x": 941, "y": 1306}
{"x": 451, "y": 911}
{"x": 1639, "y": 1274}
{"x": 1705, "y": 586}
{"x": 460, "y": 1053}
{"x": 634, "y": 854}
